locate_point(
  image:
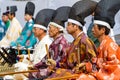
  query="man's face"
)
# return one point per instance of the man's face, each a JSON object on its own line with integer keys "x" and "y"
{"x": 5, "y": 18}
{"x": 70, "y": 28}
{"x": 27, "y": 17}
{"x": 37, "y": 31}
{"x": 96, "y": 32}
{"x": 10, "y": 16}
{"x": 53, "y": 31}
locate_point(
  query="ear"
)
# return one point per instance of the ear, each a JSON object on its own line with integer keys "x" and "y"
{"x": 103, "y": 30}
{"x": 57, "y": 29}
{"x": 76, "y": 27}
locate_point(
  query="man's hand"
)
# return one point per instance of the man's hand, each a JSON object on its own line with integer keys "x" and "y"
{"x": 51, "y": 62}
{"x": 30, "y": 67}
{"x": 76, "y": 69}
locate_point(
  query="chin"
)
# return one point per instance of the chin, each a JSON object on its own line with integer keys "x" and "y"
{"x": 50, "y": 35}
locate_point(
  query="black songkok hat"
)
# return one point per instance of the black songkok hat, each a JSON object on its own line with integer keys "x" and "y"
{"x": 30, "y": 8}
{"x": 61, "y": 16}
{"x": 105, "y": 12}
{"x": 43, "y": 18}
{"x": 11, "y": 9}
{"x": 80, "y": 10}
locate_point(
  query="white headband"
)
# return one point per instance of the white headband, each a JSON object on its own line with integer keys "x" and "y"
{"x": 40, "y": 26}
{"x": 75, "y": 22}
{"x": 56, "y": 25}
{"x": 102, "y": 23}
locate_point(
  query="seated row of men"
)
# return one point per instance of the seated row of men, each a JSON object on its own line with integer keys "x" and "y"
{"x": 56, "y": 57}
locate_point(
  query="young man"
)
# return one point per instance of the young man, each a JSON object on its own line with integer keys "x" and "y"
{"x": 14, "y": 30}
{"x": 82, "y": 49}
{"x": 27, "y": 38}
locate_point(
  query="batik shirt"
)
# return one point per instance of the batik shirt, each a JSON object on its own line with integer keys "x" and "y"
{"x": 12, "y": 33}
{"x": 57, "y": 49}
{"x": 81, "y": 50}
{"x": 27, "y": 38}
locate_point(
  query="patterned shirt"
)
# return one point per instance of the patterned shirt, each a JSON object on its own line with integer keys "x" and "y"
{"x": 81, "y": 50}
{"x": 27, "y": 38}
{"x": 107, "y": 61}
{"x": 57, "y": 49}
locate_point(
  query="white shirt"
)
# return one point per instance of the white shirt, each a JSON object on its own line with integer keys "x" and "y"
{"x": 40, "y": 49}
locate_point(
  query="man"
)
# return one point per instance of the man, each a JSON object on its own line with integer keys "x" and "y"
{"x": 5, "y": 19}
{"x": 12, "y": 34}
{"x": 58, "y": 47}
{"x": 57, "y": 50}
{"x": 13, "y": 31}
{"x": 108, "y": 57}
{"x": 38, "y": 58}
{"x": 89, "y": 32}
{"x": 82, "y": 49}
{"x": 27, "y": 38}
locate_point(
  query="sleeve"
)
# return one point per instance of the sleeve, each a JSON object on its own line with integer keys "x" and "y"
{"x": 62, "y": 53}
{"x": 91, "y": 49}
{"x": 25, "y": 35}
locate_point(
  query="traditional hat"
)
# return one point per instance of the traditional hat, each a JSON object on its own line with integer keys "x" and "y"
{"x": 80, "y": 10}
{"x": 105, "y": 12}
{"x": 61, "y": 17}
{"x": 43, "y": 18}
{"x": 30, "y": 8}
{"x": 11, "y": 9}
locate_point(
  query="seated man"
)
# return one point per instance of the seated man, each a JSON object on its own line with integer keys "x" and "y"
{"x": 82, "y": 49}
{"x": 39, "y": 54}
{"x": 27, "y": 38}
{"x": 13, "y": 31}
{"x": 108, "y": 57}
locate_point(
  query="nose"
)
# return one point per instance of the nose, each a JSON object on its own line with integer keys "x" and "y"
{"x": 93, "y": 28}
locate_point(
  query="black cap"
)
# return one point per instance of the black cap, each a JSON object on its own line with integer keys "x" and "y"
{"x": 80, "y": 10}
{"x": 61, "y": 17}
{"x": 5, "y": 13}
{"x": 30, "y": 8}
{"x": 105, "y": 12}
{"x": 11, "y": 9}
{"x": 43, "y": 18}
